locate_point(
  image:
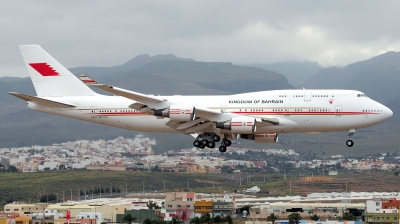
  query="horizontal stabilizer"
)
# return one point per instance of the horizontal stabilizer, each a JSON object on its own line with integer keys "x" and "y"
{"x": 148, "y": 100}
{"x": 44, "y": 102}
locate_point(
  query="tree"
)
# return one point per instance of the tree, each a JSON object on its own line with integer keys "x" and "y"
{"x": 195, "y": 220}
{"x": 129, "y": 218}
{"x": 147, "y": 221}
{"x": 294, "y": 218}
{"x": 348, "y": 216}
{"x": 152, "y": 205}
{"x": 12, "y": 169}
{"x": 272, "y": 218}
{"x": 247, "y": 208}
{"x": 175, "y": 220}
{"x": 155, "y": 221}
{"x": 183, "y": 213}
{"x": 206, "y": 218}
{"x": 50, "y": 197}
{"x": 314, "y": 217}
{"x": 217, "y": 219}
{"x": 228, "y": 219}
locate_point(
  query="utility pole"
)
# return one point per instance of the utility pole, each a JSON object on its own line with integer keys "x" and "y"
{"x": 111, "y": 189}
{"x": 92, "y": 192}
{"x": 100, "y": 190}
{"x": 85, "y": 193}
{"x": 79, "y": 194}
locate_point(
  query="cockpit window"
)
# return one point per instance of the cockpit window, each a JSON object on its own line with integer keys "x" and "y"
{"x": 361, "y": 95}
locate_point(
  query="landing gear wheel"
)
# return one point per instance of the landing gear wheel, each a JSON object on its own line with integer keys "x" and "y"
{"x": 222, "y": 148}
{"x": 204, "y": 142}
{"x": 211, "y": 144}
{"x": 227, "y": 142}
{"x": 349, "y": 143}
{"x": 197, "y": 143}
{"x": 216, "y": 138}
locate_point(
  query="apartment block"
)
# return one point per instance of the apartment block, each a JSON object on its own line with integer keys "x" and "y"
{"x": 180, "y": 201}
{"x": 201, "y": 207}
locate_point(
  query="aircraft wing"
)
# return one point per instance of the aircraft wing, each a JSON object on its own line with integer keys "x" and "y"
{"x": 149, "y": 103}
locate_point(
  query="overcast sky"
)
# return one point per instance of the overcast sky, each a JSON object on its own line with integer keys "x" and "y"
{"x": 107, "y": 33}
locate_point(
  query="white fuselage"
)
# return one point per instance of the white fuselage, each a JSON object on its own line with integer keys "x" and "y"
{"x": 298, "y": 110}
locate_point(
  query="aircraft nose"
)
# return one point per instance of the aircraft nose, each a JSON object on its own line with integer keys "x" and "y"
{"x": 387, "y": 112}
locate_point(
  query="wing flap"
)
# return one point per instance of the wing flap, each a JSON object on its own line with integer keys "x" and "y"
{"x": 41, "y": 101}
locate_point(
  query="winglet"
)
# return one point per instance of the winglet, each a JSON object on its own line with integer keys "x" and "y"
{"x": 88, "y": 81}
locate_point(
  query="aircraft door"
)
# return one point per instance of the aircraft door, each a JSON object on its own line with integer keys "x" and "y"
{"x": 338, "y": 110}
{"x": 93, "y": 111}
{"x": 223, "y": 109}
{"x": 307, "y": 95}
{"x": 287, "y": 110}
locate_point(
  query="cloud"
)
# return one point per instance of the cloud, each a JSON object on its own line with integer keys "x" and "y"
{"x": 106, "y": 33}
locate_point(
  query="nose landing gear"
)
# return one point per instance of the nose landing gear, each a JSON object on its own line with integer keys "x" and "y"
{"x": 350, "y": 142}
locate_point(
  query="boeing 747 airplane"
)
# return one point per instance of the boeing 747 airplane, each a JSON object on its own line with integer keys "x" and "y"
{"x": 257, "y": 116}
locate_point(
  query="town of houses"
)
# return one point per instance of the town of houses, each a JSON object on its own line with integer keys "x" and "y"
{"x": 329, "y": 208}
{"x": 125, "y": 153}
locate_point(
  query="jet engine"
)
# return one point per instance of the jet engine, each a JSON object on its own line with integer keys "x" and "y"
{"x": 239, "y": 125}
{"x": 177, "y": 112}
{"x": 262, "y": 138}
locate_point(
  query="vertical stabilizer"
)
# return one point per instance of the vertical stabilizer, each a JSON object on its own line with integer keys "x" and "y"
{"x": 49, "y": 77}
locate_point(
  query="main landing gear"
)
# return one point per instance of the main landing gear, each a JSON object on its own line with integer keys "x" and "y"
{"x": 350, "y": 142}
{"x": 209, "y": 140}
{"x": 206, "y": 140}
{"x": 225, "y": 143}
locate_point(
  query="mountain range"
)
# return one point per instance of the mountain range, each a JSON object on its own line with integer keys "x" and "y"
{"x": 170, "y": 75}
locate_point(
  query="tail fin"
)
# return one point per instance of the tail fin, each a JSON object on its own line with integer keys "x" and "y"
{"x": 49, "y": 77}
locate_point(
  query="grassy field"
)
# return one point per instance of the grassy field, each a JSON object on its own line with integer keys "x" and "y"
{"x": 25, "y": 186}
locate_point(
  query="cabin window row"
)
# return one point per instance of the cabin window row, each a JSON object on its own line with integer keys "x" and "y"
{"x": 110, "y": 111}
{"x": 319, "y": 110}
{"x": 376, "y": 111}
{"x": 252, "y": 110}
{"x": 321, "y": 96}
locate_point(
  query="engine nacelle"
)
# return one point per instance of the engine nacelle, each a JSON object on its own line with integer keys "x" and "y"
{"x": 262, "y": 138}
{"x": 177, "y": 112}
{"x": 239, "y": 125}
